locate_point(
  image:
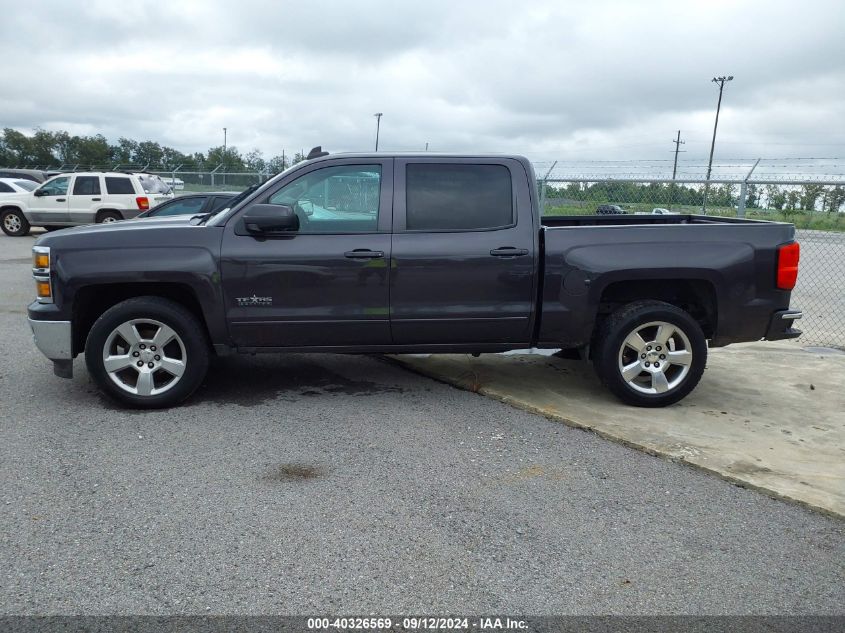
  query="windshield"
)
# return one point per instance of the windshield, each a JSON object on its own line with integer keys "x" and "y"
{"x": 26, "y": 184}
{"x": 210, "y": 217}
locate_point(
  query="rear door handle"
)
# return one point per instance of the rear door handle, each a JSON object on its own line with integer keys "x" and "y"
{"x": 509, "y": 251}
{"x": 96, "y": 199}
{"x": 61, "y": 199}
{"x": 363, "y": 253}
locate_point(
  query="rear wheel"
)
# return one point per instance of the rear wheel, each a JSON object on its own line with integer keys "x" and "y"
{"x": 106, "y": 217}
{"x": 14, "y": 223}
{"x": 650, "y": 353}
{"x": 147, "y": 352}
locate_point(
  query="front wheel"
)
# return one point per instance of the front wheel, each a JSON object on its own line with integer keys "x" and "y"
{"x": 14, "y": 223}
{"x": 147, "y": 352}
{"x": 650, "y": 353}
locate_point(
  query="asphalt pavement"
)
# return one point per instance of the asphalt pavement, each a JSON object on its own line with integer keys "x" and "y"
{"x": 301, "y": 484}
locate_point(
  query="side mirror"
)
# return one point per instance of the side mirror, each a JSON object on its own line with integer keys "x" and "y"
{"x": 39, "y": 192}
{"x": 270, "y": 218}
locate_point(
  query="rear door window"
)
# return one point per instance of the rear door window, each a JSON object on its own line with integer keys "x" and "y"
{"x": 117, "y": 185}
{"x": 86, "y": 186}
{"x": 458, "y": 197}
{"x": 180, "y": 207}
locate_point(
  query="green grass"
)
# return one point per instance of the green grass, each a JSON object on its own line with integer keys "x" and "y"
{"x": 801, "y": 219}
{"x": 194, "y": 188}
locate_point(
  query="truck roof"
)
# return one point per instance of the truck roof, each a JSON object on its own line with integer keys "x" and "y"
{"x": 421, "y": 154}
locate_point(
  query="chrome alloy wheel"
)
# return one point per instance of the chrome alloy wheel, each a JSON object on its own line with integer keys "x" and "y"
{"x": 144, "y": 357}
{"x": 655, "y": 357}
{"x": 108, "y": 220}
{"x": 12, "y": 223}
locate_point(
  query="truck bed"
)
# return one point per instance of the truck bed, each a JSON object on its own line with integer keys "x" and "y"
{"x": 647, "y": 219}
{"x": 591, "y": 262}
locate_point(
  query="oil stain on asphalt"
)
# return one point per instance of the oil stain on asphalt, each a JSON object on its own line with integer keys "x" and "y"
{"x": 293, "y": 472}
{"x": 257, "y": 380}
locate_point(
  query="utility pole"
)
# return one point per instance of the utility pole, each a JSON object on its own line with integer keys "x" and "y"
{"x": 678, "y": 142}
{"x": 378, "y": 116}
{"x": 721, "y": 81}
{"x": 224, "y": 154}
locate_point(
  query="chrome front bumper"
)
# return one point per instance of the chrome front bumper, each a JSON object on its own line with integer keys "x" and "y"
{"x": 53, "y": 338}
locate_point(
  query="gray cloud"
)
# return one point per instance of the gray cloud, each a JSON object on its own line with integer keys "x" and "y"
{"x": 548, "y": 79}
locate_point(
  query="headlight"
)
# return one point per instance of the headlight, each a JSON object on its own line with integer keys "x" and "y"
{"x": 41, "y": 273}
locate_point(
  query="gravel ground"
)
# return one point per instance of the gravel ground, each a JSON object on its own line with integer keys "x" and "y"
{"x": 301, "y": 484}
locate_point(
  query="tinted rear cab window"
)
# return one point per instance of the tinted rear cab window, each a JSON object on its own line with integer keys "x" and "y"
{"x": 119, "y": 185}
{"x": 458, "y": 197}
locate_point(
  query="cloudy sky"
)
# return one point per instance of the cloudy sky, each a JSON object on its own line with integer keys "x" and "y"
{"x": 552, "y": 80}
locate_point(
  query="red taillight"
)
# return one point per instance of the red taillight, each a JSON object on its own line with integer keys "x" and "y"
{"x": 788, "y": 256}
{"x": 143, "y": 202}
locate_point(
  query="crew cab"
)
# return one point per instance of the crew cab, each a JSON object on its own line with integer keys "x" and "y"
{"x": 408, "y": 253}
{"x": 82, "y": 198}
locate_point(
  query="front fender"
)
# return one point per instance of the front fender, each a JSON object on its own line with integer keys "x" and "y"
{"x": 122, "y": 254}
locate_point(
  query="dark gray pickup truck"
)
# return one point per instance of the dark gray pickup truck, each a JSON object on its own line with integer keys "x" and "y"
{"x": 369, "y": 253}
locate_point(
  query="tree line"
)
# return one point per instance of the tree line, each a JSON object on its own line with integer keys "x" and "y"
{"x": 785, "y": 198}
{"x": 46, "y": 149}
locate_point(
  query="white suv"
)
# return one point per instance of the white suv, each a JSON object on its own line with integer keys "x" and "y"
{"x": 82, "y": 198}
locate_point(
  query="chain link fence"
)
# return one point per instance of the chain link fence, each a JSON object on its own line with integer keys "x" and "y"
{"x": 814, "y": 202}
{"x": 190, "y": 180}
{"x": 199, "y": 181}
{"x": 816, "y": 208}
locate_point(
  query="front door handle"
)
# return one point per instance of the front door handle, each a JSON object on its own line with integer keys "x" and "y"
{"x": 364, "y": 253}
{"x": 96, "y": 199}
{"x": 509, "y": 251}
{"x": 61, "y": 199}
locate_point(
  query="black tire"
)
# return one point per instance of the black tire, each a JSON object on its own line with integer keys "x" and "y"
{"x": 108, "y": 216}
{"x": 14, "y": 223}
{"x": 192, "y": 345}
{"x": 612, "y": 354}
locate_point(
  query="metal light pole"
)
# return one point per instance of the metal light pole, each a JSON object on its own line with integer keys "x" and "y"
{"x": 721, "y": 81}
{"x": 378, "y": 116}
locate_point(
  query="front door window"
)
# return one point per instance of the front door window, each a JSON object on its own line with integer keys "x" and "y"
{"x": 341, "y": 199}
{"x": 55, "y": 187}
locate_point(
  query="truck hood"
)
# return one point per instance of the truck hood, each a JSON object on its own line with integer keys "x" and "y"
{"x": 98, "y": 231}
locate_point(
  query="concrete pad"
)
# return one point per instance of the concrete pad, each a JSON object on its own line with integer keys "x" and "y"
{"x": 769, "y": 416}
